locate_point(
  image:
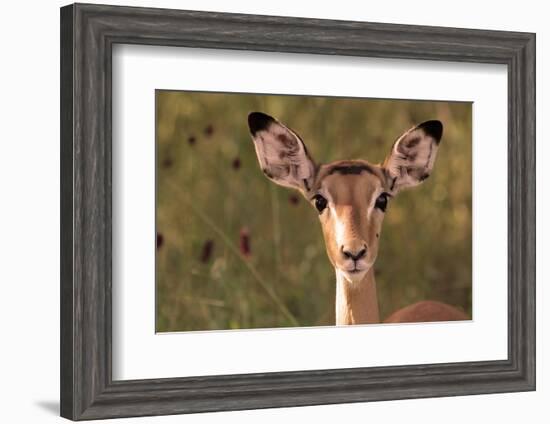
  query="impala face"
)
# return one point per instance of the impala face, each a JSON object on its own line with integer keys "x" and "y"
{"x": 351, "y": 197}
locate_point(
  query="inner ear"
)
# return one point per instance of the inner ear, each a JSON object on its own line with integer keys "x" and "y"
{"x": 281, "y": 153}
{"x": 413, "y": 155}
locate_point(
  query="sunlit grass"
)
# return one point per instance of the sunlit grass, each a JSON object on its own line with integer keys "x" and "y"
{"x": 237, "y": 251}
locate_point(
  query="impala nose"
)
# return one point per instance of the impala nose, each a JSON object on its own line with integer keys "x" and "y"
{"x": 356, "y": 253}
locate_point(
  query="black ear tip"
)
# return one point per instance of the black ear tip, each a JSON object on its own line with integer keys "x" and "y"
{"x": 433, "y": 128}
{"x": 258, "y": 121}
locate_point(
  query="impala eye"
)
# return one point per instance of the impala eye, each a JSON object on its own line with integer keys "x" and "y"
{"x": 320, "y": 202}
{"x": 382, "y": 202}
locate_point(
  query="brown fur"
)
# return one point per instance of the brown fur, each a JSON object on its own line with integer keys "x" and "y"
{"x": 351, "y": 196}
{"x": 427, "y": 311}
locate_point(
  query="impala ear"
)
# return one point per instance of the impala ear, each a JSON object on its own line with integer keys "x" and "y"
{"x": 412, "y": 156}
{"x": 281, "y": 153}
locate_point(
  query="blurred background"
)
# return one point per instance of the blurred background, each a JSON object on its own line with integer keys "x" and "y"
{"x": 234, "y": 250}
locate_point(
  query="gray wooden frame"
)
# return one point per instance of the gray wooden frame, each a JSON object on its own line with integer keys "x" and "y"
{"x": 88, "y": 33}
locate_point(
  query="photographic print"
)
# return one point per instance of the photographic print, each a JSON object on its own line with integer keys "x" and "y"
{"x": 326, "y": 210}
{"x": 297, "y": 211}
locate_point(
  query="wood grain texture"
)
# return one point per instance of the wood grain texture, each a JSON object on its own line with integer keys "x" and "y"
{"x": 88, "y": 33}
{"x": 66, "y": 211}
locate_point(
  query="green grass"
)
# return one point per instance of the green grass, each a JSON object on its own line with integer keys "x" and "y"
{"x": 210, "y": 190}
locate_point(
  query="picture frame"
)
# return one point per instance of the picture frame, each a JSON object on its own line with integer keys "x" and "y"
{"x": 88, "y": 33}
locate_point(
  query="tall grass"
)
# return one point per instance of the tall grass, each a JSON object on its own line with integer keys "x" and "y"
{"x": 236, "y": 251}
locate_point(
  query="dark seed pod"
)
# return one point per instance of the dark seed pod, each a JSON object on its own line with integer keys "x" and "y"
{"x": 293, "y": 199}
{"x": 244, "y": 242}
{"x": 207, "y": 250}
{"x": 209, "y": 130}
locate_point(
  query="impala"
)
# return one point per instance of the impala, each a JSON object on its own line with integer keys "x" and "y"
{"x": 351, "y": 197}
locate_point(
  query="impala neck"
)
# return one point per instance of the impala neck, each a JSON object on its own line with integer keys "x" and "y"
{"x": 356, "y": 303}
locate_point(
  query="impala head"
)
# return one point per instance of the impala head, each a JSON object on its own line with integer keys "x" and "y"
{"x": 350, "y": 196}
